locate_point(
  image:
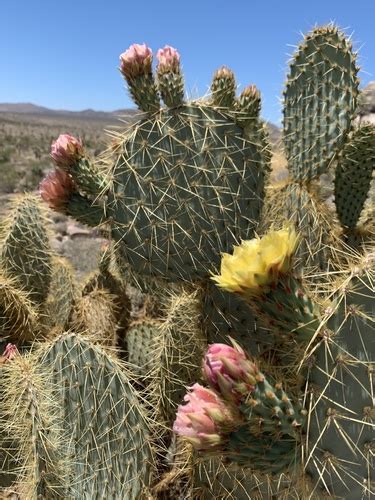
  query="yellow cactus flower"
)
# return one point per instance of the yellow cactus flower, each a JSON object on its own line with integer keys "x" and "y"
{"x": 258, "y": 262}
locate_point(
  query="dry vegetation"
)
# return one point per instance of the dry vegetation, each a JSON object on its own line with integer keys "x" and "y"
{"x": 25, "y": 141}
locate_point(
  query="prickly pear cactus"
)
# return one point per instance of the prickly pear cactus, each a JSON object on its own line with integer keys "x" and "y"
{"x": 320, "y": 311}
{"x": 187, "y": 179}
{"x": 293, "y": 417}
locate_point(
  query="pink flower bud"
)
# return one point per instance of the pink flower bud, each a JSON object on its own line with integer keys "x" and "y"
{"x": 9, "y": 353}
{"x": 169, "y": 59}
{"x": 204, "y": 419}
{"x": 66, "y": 150}
{"x": 228, "y": 370}
{"x": 136, "y": 61}
{"x": 56, "y": 188}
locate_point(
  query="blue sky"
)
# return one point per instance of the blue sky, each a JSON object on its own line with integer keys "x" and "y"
{"x": 64, "y": 54}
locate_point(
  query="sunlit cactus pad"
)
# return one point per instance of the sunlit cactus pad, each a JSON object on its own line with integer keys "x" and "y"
{"x": 187, "y": 185}
{"x": 320, "y": 101}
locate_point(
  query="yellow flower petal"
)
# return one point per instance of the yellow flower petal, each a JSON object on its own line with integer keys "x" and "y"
{"x": 257, "y": 262}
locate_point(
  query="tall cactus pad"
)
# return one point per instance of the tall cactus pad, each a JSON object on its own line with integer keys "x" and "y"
{"x": 340, "y": 446}
{"x": 26, "y": 252}
{"x": 110, "y": 441}
{"x": 320, "y": 100}
{"x": 354, "y": 175}
{"x": 30, "y": 418}
{"x": 17, "y": 314}
{"x": 186, "y": 186}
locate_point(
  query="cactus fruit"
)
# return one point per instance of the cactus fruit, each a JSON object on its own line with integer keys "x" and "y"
{"x": 136, "y": 67}
{"x": 243, "y": 416}
{"x": 169, "y": 76}
{"x": 223, "y": 89}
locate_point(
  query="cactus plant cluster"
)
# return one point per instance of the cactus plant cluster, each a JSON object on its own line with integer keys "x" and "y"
{"x": 250, "y": 373}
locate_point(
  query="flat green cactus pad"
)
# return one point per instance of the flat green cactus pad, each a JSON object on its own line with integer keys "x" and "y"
{"x": 320, "y": 101}
{"x": 187, "y": 185}
{"x": 110, "y": 441}
{"x": 340, "y": 447}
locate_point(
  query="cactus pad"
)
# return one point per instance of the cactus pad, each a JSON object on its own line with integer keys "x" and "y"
{"x": 26, "y": 253}
{"x": 320, "y": 101}
{"x": 111, "y": 454}
{"x": 354, "y": 174}
{"x": 30, "y": 418}
{"x": 188, "y": 184}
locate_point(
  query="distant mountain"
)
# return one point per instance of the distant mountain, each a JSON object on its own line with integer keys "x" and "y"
{"x": 91, "y": 114}
{"x": 23, "y": 107}
{"x": 29, "y": 108}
